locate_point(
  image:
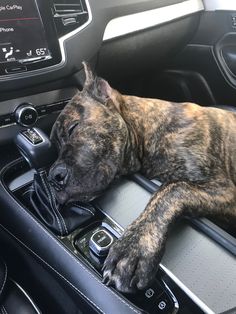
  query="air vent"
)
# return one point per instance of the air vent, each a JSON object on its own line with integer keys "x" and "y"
{"x": 69, "y": 15}
{"x": 68, "y": 9}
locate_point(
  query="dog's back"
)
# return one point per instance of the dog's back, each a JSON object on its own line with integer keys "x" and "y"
{"x": 183, "y": 140}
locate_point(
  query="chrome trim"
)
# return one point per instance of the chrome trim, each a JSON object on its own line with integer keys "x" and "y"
{"x": 220, "y": 5}
{"x": 99, "y": 248}
{"x": 179, "y": 283}
{"x": 63, "y": 54}
{"x": 36, "y": 131}
{"x": 28, "y": 297}
{"x": 189, "y": 293}
{"x": 176, "y": 303}
{"x": 7, "y": 125}
{"x": 135, "y": 22}
{"x": 20, "y": 110}
{"x": 114, "y": 222}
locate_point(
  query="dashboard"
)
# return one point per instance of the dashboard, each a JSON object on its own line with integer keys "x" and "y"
{"x": 55, "y": 36}
{"x": 45, "y": 42}
{"x": 31, "y": 30}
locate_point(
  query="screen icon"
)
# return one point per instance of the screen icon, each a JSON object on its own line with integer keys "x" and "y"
{"x": 149, "y": 293}
{"x": 162, "y": 305}
{"x": 8, "y": 51}
{"x": 29, "y": 53}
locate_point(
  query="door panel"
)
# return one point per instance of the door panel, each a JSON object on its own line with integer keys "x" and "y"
{"x": 205, "y": 71}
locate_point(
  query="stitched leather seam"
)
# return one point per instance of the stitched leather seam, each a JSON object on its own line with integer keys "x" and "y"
{"x": 5, "y": 277}
{"x": 57, "y": 218}
{"x": 77, "y": 261}
{"x": 81, "y": 265}
{"x": 85, "y": 208}
{"x": 51, "y": 267}
{"x": 69, "y": 254}
{"x": 4, "y": 309}
{"x": 59, "y": 214}
{"x": 51, "y": 201}
{"x": 89, "y": 208}
{"x": 27, "y": 192}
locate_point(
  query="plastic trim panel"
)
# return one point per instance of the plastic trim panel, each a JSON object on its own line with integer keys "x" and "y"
{"x": 220, "y": 5}
{"x": 135, "y": 22}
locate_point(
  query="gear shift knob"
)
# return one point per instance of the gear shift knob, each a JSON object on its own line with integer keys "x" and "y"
{"x": 36, "y": 148}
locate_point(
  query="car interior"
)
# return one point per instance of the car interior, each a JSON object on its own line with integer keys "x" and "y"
{"x": 176, "y": 50}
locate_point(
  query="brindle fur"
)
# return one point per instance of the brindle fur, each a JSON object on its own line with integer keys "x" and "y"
{"x": 191, "y": 149}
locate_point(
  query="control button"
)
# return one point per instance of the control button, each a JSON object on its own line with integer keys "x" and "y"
{"x": 100, "y": 242}
{"x": 163, "y": 304}
{"x": 233, "y": 20}
{"x": 15, "y": 69}
{"x": 146, "y": 299}
{"x": 26, "y": 115}
{"x": 42, "y": 110}
{"x": 69, "y": 21}
{"x": 32, "y": 136}
{"x": 149, "y": 293}
{"x": 6, "y": 119}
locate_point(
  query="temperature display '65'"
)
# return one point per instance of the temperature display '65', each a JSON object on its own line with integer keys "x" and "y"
{"x": 22, "y": 35}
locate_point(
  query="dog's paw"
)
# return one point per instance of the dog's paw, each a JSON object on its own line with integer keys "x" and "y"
{"x": 130, "y": 264}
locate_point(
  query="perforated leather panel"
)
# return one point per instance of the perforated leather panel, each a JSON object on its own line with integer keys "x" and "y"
{"x": 205, "y": 268}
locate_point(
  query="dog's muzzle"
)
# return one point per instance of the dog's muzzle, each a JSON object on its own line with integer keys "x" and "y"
{"x": 58, "y": 176}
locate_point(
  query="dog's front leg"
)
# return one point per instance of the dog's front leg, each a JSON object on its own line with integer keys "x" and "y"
{"x": 133, "y": 260}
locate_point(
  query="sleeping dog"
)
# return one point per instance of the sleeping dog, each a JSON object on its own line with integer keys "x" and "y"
{"x": 103, "y": 135}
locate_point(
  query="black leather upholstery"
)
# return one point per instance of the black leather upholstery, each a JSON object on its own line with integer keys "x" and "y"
{"x": 50, "y": 251}
{"x": 13, "y": 299}
{"x": 62, "y": 220}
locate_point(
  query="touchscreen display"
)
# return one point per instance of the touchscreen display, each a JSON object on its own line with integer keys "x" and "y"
{"x": 22, "y": 35}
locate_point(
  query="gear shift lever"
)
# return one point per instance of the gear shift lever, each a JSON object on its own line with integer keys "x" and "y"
{"x": 36, "y": 148}
{"x": 40, "y": 153}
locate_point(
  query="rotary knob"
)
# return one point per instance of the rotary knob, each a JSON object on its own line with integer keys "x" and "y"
{"x": 26, "y": 115}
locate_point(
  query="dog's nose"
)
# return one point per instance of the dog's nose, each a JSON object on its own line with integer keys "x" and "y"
{"x": 59, "y": 175}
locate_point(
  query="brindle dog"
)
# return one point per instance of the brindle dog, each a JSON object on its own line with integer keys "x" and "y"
{"x": 103, "y": 135}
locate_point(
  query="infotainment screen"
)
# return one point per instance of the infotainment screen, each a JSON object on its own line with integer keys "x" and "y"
{"x": 22, "y": 35}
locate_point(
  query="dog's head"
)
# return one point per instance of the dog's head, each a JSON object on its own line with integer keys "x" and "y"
{"x": 91, "y": 136}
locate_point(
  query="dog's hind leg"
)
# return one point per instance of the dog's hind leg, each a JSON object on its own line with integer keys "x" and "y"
{"x": 133, "y": 260}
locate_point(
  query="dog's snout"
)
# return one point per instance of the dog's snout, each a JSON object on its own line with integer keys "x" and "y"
{"x": 59, "y": 175}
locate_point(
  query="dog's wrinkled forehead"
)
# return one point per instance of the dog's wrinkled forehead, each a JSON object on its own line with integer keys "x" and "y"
{"x": 89, "y": 114}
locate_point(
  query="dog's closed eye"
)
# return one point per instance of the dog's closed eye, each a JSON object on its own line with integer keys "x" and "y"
{"x": 72, "y": 127}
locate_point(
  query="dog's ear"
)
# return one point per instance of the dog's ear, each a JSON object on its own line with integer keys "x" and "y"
{"x": 96, "y": 86}
{"x": 101, "y": 90}
{"x": 89, "y": 76}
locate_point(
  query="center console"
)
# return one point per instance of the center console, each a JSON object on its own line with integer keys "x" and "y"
{"x": 77, "y": 256}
